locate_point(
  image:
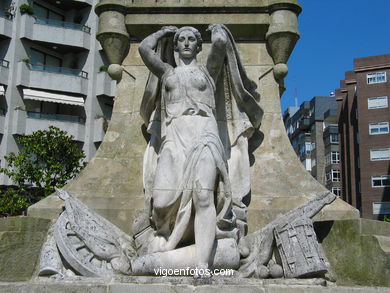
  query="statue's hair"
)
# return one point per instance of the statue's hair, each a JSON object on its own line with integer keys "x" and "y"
{"x": 192, "y": 29}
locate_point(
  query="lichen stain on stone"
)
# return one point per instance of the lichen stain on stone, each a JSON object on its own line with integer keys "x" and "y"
{"x": 111, "y": 136}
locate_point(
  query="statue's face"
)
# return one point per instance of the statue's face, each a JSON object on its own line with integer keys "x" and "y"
{"x": 187, "y": 44}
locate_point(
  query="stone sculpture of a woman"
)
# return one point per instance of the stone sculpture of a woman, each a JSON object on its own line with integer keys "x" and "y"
{"x": 196, "y": 179}
{"x": 186, "y": 172}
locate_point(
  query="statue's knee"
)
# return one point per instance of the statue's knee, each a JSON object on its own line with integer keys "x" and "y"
{"x": 204, "y": 199}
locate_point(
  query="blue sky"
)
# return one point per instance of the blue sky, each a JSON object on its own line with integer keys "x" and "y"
{"x": 333, "y": 33}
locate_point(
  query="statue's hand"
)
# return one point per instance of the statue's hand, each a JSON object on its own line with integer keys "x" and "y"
{"x": 169, "y": 30}
{"x": 213, "y": 27}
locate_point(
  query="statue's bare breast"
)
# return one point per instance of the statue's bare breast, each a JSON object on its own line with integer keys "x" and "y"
{"x": 185, "y": 82}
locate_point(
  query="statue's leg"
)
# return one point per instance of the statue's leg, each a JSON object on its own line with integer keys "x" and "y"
{"x": 205, "y": 213}
{"x": 164, "y": 196}
{"x": 225, "y": 256}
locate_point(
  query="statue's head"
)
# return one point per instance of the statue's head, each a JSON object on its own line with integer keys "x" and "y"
{"x": 187, "y": 41}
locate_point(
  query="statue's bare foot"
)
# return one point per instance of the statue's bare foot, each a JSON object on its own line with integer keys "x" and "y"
{"x": 202, "y": 271}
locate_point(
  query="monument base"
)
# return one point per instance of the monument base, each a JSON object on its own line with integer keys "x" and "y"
{"x": 358, "y": 251}
{"x": 184, "y": 285}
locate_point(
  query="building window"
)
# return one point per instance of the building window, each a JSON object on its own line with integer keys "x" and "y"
{"x": 336, "y": 191}
{"x": 333, "y": 175}
{"x": 334, "y": 138}
{"x": 41, "y": 60}
{"x": 380, "y": 181}
{"x": 380, "y": 154}
{"x": 335, "y": 157}
{"x": 377, "y": 102}
{"x": 376, "y": 77}
{"x": 307, "y": 148}
{"x": 332, "y": 158}
{"x": 313, "y": 162}
{"x": 313, "y": 146}
{"x": 378, "y": 128}
{"x": 45, "y": 13}
{"x": 336, "y": 176}
{"x": 381, "y": 208}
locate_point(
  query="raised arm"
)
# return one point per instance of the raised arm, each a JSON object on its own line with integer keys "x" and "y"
{"x": 148, "y": 54}
{"x": 218, "y": 50}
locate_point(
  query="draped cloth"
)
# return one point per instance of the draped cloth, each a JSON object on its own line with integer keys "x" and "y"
{"x": 237, "y": 114}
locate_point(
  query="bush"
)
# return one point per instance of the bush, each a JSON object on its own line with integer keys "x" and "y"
{"x": 103, "y": 68}
{"x": 48, "y": 159}
{"x": 25, "y": 8}
{"x": 12, "y": 202}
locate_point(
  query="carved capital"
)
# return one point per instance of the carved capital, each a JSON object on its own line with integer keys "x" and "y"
{"x": 112, "y": 33}
{"x": 282, "y": 34}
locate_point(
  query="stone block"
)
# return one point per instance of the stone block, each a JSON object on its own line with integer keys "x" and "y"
{"x": 357, "y": 255}
{"x": 21, "y": 239}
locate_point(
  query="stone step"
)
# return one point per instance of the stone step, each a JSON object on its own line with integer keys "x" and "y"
{"x": 171, "y": 287}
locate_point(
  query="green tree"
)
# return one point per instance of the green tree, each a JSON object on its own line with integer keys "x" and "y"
{"x": 47, "y": 159}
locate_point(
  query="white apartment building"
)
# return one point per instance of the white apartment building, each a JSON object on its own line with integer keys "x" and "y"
{"x": 52, "y": 73}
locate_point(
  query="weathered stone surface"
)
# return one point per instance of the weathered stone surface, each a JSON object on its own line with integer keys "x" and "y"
{"x": 357, "y": 250}
{"x": 21, "y": 239}
{"x": 58, "y": 287}
{"x": 181, "y": 285}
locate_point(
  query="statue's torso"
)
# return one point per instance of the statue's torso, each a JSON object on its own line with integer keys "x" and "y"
{"x": 188, "y": 90}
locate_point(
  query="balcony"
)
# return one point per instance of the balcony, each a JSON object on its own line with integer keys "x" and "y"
{"x": 57, "y": 32}
{"x": 28, "y": 122}
{"x": 4, "y": 65}
{"x": 105, "y": 85}
{"x": 304, "y": 124}
{"x": 63, "y": 24}
{"x": 99, "y": 129}
{"x": 5, "y": 27}
{"x": 52, "y": 78}
{"x": 331, "y": 129}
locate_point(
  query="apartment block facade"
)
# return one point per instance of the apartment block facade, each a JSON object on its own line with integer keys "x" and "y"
{"x": 52, "y": 72}
{"x": 364, "y": 118}
{"x": 313, "y": 131}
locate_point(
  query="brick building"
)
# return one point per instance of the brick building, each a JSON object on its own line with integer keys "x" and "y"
{"x": 364, "y": 135}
